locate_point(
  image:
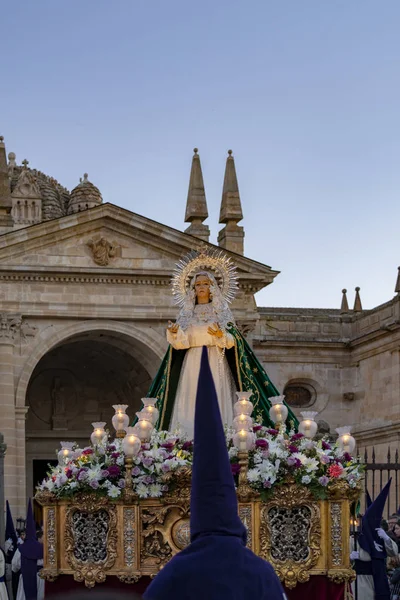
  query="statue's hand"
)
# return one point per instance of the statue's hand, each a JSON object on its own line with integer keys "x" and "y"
{"x": 173, "y": 327}
{"x": 215, "y": 330}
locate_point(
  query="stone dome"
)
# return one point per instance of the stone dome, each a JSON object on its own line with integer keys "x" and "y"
{"x": 85, "y": 195}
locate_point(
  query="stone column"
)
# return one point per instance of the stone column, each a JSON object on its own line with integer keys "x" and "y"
{"x": 3, "y": 448}
{"x": 10, "y": 325}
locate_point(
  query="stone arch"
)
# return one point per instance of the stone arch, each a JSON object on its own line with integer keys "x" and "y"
{"x": 149, "y": 344}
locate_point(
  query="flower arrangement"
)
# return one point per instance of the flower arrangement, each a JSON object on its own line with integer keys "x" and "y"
{"x": 276, "y": 456}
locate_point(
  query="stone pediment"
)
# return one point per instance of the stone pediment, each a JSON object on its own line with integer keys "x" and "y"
{"x": 108, "y": 240}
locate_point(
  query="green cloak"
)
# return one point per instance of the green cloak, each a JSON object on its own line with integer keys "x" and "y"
{"x": 247, "y": 372}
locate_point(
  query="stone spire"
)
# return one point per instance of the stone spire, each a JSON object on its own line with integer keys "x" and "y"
{"x": 196, "y": 205}
{"x": 397, "y": 288}
{"x": 6, "y": 219}
{"x": 231, "y": 237}
{"x": 357, "y": 301}
{"x": 344, "y": 308}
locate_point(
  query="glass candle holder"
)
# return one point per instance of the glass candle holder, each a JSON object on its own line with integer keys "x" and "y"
{"x": 244, "y": 440}
{"x": 278, "y": 411}
{"x": 99, "y": 435}
{"x": 308, "y": 427}
{"x": 66, "y": 453}
{"x": 345, "y": 441}
{"x": 243, "y": 422}
{"x": 120, "y": 420}
{"x": 131, "y": 443}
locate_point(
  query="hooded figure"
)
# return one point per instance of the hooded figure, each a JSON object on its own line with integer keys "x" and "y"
{"x": 3, "y": 588}
{"x": 10, "y": 547}
{"x": 30, "y": 556}
{"x": 374, "y": 546}
{"x": 216, "y": 565}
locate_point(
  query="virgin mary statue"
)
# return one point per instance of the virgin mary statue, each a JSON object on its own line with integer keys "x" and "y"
{"x": 204, "y": 283}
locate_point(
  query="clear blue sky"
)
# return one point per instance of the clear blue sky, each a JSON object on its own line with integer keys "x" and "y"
{"x": 305, "y": 92}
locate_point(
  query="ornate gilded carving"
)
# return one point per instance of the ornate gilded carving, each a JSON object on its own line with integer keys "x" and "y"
{"x": 336, "y": 533}
{"x": 51, "y": 537}
{"x": 341, "y": 575}
{"x": 244, "y": 491}
{"x": 180, "y": 493}
{"x": 10, "y": 325}
{"x": 91, "y": 538}
{"x": 103, "y": 251}
{"x": 290, "y": 533}
{"x": 129, "y": 536}
{"x": 180, "y": 533}
{"x": 246, "y": 515}
{"x": 154, "y": 543}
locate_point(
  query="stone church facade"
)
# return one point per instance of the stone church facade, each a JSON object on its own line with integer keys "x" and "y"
{"x": 85, "y": 298}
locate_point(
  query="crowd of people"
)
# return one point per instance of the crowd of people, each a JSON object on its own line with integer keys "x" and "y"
{"x": 22, "y": 559}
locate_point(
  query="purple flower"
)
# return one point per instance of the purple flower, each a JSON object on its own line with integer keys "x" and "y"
{"x": 111, "y": 448}
{"x": 292, "y": 461}
{"x": 164, "y": 488}
{"x": 272, "y": 431}
{"x": 325, "y": 445}
{"x": 136, "y": 471}
{"x": 115, "y": 455}
{"x": 267, "y": 484}
{"x": 146, "y": 446}
{"x": 325, "y": 459}
{"x": 168, "y": 444}
{"x": 68, "y": 473}
{"x": 147, "y": 461}
{"x": 323, "y": 480}
{"x": 148, "y": 479}
{"x": 292, "y": 448}
{"x": 257, "y": 428}
{"x": 187, "y": 445}
{"x": 296, "y": 436}
{"x": 94, "y": 484}
{"x": 261, "y": 443}
{"x": 113, "y": 471}
{"x": 347, "y": 457}
{"x": 121, "y": 483}
{"x": 235, "y": 468}
{"x": 165, "y": 468}
{"x": 82, "y": 474}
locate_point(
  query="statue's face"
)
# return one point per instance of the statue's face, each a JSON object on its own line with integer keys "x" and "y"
{"x": 202, "y": 289}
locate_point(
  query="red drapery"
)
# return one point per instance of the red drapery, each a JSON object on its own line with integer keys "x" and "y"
{"x": 317, "y": 588}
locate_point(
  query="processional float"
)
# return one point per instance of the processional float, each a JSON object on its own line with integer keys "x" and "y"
{"x": 120, "y": 507}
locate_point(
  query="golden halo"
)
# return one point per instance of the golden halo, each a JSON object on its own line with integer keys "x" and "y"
{"x": 205, "y": 259}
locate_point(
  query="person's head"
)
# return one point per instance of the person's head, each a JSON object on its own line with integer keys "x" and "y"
{"x": 39, "y": 536}
{"x": 22, "y": 535}
{"x": 202, "y": 288}
{"x": 396, "y": 529}
{"x": 392, "y": 520}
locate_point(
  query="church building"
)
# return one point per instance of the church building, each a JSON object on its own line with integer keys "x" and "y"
{"x": 84, "y": 302}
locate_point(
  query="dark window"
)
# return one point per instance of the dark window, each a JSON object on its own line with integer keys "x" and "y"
{"x": 299, "y": 396}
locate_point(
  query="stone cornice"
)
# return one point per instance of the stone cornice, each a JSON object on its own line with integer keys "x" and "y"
{"x": 107, "y": 276}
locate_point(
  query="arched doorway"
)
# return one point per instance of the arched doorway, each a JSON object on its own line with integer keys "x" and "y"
{"x": 75, "y": 383}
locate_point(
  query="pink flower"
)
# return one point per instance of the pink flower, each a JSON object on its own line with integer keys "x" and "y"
{"x": 296, "y": 436}
{"x": 292, "y": 448}
{"x": 87, "y": 451}
{"x": 113, "y": 471}
{"x": 335, "y": 471}
{"x": 257, "y": 428}
{"x": 187, "y": 445}
{"x": 68, "y": 473}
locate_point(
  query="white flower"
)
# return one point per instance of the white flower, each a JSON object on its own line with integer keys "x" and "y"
{"x": 120, "y": 460}
{"x": 155, "y": 490}
{"x": 257, "y": 458}
{"x": 142, "y": 490}
{"x": 253, "y": 475}
{"x": 306, "y": 479}
{"x": 73, "y": 485}
{"x": 232, "y": 452}
{"x": 311, "y": 464}
{"x": 95, "y": 473}
{"x": 114, "y": 491}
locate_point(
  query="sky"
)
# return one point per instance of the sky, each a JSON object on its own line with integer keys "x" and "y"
{"x": 305, "y": 92}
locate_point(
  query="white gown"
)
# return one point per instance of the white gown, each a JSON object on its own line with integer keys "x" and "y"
{"x": 3, "y": 587}
{"x": 365, "y": 583}
{"x": 193, "y": 339}
{"x": 16, "y": 565}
